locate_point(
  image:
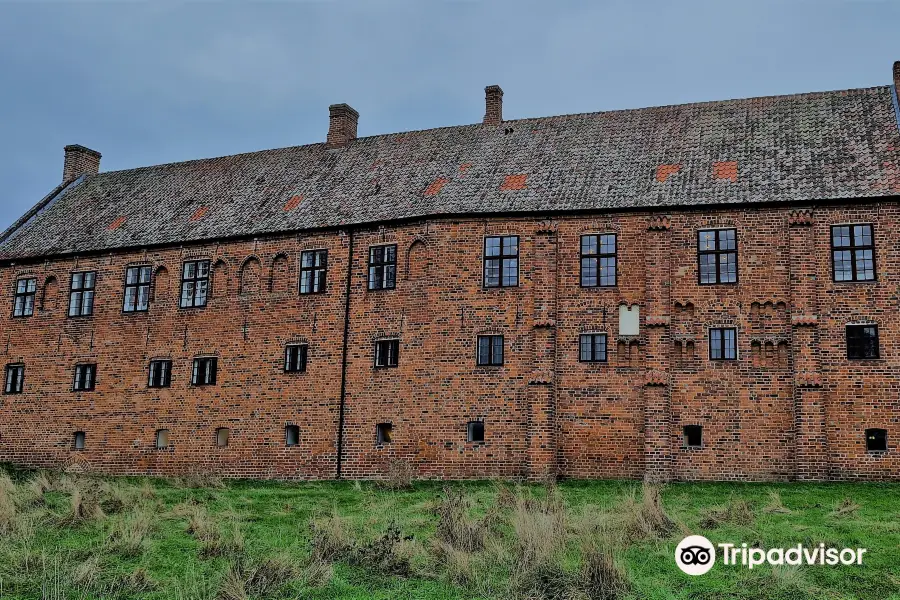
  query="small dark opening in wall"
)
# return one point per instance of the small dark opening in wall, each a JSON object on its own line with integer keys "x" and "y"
{"x": 79, "y": 440}
{"x": 876, "y": 440}
{"x": 162, "y": 438}
{"x": 292, "y": 435}
{"x": 475, "y": 431}
{"x": 384, "y": 432}
{"x": 693, "y": 436}
{"x": 222, "y": 436}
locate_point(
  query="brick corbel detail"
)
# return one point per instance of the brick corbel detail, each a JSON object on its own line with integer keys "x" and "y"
{"x": 656, "y": 378}
{"x": 808, "y": 380}
{"x": 547, "y": 228}
{"x": 545, "y": 324}
{"x": 658, "y": 321}
{"x": 659, "y": 224}
{"x": 804, "y": 320}
{"x": 800, "y": 218}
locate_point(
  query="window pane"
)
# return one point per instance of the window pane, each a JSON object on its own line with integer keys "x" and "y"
{"x": 599, "y": 347}
{"x": 862, "y": 235}
{"x": 201, "y": 289}
{"x": 608, "y": 244}
{"x": 497, "y": 352}
{"x": 143, "y": 297}
{"x": 203, "y": 269}
{"x": 843, "y": 269}
{"x": 727, "y": 267}
{"x": 511, "y": 246}
{"x": 390, "y": 276}
{"x": 586, "y": 348}
{"x": 510, "y": 271}
{"x": 707, "y": 240}
{"x": 87, "y": 303}
{"x": 715, "y": 343}
{"x": 74, "y": 304}
{"x": 840, "y": 236}
{"x": 589, "y": 244}
{"x": 492, "y": 246}
{"x": 726, "y": 239}
{"x": 484, "y": 350}
{"x": 608, "y": 271}
{"x": 492, "y": 273}
{"x": 865, "y": 265}
{"x": 707, "y": 268}
{"x": 588, "y": 272}
{"x": 730, "y": 344}
{"x": 390, "y": 254}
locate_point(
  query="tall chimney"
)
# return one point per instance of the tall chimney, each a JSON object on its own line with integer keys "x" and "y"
{"x": 897, "y": 77}
{"x": 341, "y": 126}
{"x": 493, "y": 105}
{"x": 80, "y": 161}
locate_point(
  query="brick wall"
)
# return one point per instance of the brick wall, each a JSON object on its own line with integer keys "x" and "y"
{"x": 792, "y": 406}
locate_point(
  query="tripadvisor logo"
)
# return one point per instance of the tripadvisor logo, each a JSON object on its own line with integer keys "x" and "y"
{"x": 696, "y": 555}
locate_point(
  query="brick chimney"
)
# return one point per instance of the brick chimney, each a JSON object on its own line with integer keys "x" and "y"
{"x": 493, "y": 105}
{"x": 80, "y": 161}
{"x": 897, "y": 76}
{"x": 341, "y": 126}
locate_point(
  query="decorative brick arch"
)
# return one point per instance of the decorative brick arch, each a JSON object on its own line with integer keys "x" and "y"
{"x": 250, "y": 276}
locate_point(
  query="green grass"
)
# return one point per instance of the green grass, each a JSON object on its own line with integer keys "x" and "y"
{"x": 46, "y": 553}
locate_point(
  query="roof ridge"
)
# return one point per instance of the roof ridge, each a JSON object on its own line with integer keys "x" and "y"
{"x": 476, "y": 125}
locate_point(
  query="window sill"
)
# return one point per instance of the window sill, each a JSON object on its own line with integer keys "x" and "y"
{"x": 692, "y": 448}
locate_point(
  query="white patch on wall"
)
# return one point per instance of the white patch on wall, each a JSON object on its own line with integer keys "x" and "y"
{"x": 629, "y": 320}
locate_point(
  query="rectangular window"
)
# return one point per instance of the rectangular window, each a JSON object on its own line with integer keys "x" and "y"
{"x": 853, "y": 252}
{"x": 501, "y": 261}
{"x": 723, "y": 344}
{"x": 717, "y": 255}
{"x": 693, "y": 436}
{"x": 78, "y": 442}
{"x": 862, "y": 341}
{"x": 160, "y": 374}
{"x": 313, "y": 268}
{"x": 292, "y": 435}
{"x": 25, "y": 293}
{"x": 490, "y": 350}
{"x": 295, "y": 358}
{"x": 204, "y": 372}
{"x": 162, "y": 439}
{"x": 384, "y": 432}
{"x": 137, "y": 289}
{"x": 223, "y": 434}
{"x": 475, "y": 431}
{"x": 15, "y": 379}
{"x": 598, "y": 260}
{"x": 85, "y": 376}
{"x": 194, "y": 283}
{"x": 383, "y": 267}
{"x": 387, "y": 353}
{"x": 876, "y": 440}
{"x": 81, "y": 294}
{"x": 592, "y": 347}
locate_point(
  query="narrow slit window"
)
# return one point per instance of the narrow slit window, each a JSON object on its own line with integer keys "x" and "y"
{"x": 598, "y": 260}
{"x": 160, "y": 374}
{"x": 387, "y": 353}
{"x": 78, "y": 442}
{"x": 292, "y": 435}
{"x": 223, "y": 435}
{"x": 723, "y": 343}
{"x": 85, "y": 378}
{"x": 162, "y": 438}
{"x": 862, "y": 342}
{"x": 313, "y": 271}
{"x": 693, "y": 436}
{"x": 475, "y": 431}
{"x": 717, "y": 256}
{"x": 592, "y": 347}
{"x": 205, "y": 371}
{"x": 383, "y": 267}
{"x": 137, "y": 289}
{"x": 15, "y": 379}
{"x": 81, "y": 294}
{"x": 194, "y": 284}
{"x": 490, "y": 351}
{"x": 295, "y": 358}
{"x": 876, "y": 440}
{"x": 853, "y": 253}
{"x": 501, "y": 261}
{"x": 26, "y": 289}
{"x": 384, "y": 433}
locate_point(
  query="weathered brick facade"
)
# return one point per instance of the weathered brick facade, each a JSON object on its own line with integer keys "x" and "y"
{"x": 792, "y": 406}
{"x": 779, "y": 171}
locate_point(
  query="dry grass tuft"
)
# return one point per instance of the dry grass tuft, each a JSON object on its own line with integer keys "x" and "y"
{"x": 845, "y": 508}
{"x": 736, "y": 512}
{"x": 775, "y": 505}
{"x": 455, "y": 527}
{"x": 601, "y": 578}
{"x": 7, "y": 504}
{"x": 128, "y": 534}
{"x": 316, "y": 573}
{"x": 265, "y": 579}
{"x": 331, "y": 538}
{"x": 85, "y": 506}
{"x": 646, "y": 519}
{"x": 399, "y": 476}
{"x": 215, "y": 540}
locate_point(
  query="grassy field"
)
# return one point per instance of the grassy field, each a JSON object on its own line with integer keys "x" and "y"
{"x": 68, "y": 536}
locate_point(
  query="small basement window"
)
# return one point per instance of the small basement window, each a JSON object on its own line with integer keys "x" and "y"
{"x": 295, "y": 358}
{"x": 876, "y": 440}
{"x": 205, "y": 370}
{"x": 475, "y": 431}
{"x": 693, "y": 436}
{"x": 79, "y": 440}
{"x": 386, "y": 353}
{"x": 384, "y": 432}
{"x": 15, "y": 376}
{"x": 222, "y": 436}
{"x": 292, "y": 435}
{"x": 160, "y": 374}
{"x": 162, "y": 438}
{"x": 85, "y": 378}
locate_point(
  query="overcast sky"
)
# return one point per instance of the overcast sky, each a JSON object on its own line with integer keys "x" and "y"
{"x": 154, "y": 83}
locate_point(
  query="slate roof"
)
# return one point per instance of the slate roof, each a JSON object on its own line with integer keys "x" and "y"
{"x": 806, "y": 147}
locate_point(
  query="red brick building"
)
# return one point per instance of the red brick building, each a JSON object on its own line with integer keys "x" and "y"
{"x": 707, "y": 291}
